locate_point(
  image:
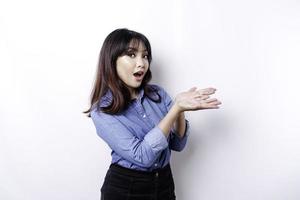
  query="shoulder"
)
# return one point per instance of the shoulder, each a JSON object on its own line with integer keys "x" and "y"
{"x": 164, "y": 97}
{"x": 99, "y": 116}
{"x": 156, "y": 88}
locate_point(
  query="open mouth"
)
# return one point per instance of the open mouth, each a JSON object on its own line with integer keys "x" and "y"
{"x": 138, "y": 74}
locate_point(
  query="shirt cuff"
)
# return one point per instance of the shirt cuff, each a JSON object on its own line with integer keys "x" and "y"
{"x": 186, "y": 132}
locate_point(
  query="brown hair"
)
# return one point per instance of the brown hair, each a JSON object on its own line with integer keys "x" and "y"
{"x": 115, "y": 45}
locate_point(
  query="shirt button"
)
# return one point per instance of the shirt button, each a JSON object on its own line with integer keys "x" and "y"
{"x": 144, "y": 115}
{"x": 155, "y": 164}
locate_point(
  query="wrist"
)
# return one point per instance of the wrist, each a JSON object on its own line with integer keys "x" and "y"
{"x": 177, "y": 109}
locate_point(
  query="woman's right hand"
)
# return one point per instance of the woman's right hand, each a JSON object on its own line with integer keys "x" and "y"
{"x": 194, "y": 99}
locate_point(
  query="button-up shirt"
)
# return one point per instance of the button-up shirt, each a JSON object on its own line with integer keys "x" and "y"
{"x": 133, "y": 135}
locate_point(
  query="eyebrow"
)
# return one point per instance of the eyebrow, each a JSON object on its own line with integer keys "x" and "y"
{"x": 135, "y": 49}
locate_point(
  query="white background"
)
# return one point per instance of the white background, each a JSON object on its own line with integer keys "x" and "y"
{"x": 248, "y": 50}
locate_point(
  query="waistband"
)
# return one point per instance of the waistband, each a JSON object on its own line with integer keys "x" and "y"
{"x": 138, "y": 173}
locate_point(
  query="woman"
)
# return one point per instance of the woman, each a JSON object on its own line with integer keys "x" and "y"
{"x": 139, "y": 121}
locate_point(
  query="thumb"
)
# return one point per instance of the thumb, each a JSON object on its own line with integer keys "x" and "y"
{"x": 192, "y": 89}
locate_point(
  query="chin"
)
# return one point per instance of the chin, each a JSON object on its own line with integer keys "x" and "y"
{"x": 136, "y": 85}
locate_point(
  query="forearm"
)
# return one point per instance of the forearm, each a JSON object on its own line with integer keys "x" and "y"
{"x": 180, "y": 124}
{"x": 168, "y": 121}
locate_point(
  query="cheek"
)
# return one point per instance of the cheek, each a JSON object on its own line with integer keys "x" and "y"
{"x": 147, "y": 66}
{"x": 120, "y": 72}
{"x": 123, "y": 71}
{"x": 125, "y": 63}
{"x": 121, "y": 66}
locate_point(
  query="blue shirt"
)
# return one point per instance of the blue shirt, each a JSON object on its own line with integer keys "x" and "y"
{"x": 134, "y": 136}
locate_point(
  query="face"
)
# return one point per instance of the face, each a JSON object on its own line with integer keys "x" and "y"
{"x": 132, "y": 66}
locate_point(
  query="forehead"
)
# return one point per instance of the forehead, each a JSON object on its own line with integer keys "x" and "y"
{"x": 137, "y": 45}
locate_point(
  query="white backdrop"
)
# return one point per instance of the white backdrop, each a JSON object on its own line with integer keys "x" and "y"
{"x": 249, "y": 50}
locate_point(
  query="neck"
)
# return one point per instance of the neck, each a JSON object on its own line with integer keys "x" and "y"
{"x": 134, "y": 94}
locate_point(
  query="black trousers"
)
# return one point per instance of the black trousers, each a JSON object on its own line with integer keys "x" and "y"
{"x": 127, "y": 184}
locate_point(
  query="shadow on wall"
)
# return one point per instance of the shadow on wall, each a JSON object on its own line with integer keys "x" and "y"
{"x": 201, "y": 135}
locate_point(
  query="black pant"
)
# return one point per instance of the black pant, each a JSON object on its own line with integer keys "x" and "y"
{"x": 127, "y": 184}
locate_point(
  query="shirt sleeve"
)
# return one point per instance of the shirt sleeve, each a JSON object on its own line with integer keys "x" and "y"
{"x": 142, "y": 152}
{"x": 176, "y": 143}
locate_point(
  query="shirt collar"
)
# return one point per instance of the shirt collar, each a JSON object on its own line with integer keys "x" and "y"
{"x": 108, "y": 97}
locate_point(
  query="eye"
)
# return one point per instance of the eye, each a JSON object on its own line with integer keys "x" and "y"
{"x": 145, "y": 56}
{"x": 130, "y": 54}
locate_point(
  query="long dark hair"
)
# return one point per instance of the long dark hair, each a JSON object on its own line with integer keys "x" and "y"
{"x": 115, "y": 45}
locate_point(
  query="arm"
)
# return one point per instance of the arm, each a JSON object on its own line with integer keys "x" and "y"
{"x": 179, "y": 130}
{"x": 191, "y": 100}
{"x": 180, "y": 125}
{"x": 140, "y": 152}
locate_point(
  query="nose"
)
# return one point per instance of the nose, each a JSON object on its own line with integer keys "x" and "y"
{"x": 140, "y": 62}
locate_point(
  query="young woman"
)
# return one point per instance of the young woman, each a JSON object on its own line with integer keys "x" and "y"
{"x": 139, "y": 121}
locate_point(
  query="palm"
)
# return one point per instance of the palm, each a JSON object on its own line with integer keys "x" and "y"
{"x": 197, "y": 99}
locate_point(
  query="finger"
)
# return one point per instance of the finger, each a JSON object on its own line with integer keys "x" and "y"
{"x": 209, "y": 104}
{"x": 202, "y": 97}
{"x": 212, "y": 100}
{"x": 206, "y": 91}
{"x": 211, "y": 107}
{"x": 215, "y": 103}
{"x": 215, "y": 107}
{"x": 203, "y": 107}
{"x": 192, "y": 89}
{"x": 209, "y": 91}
